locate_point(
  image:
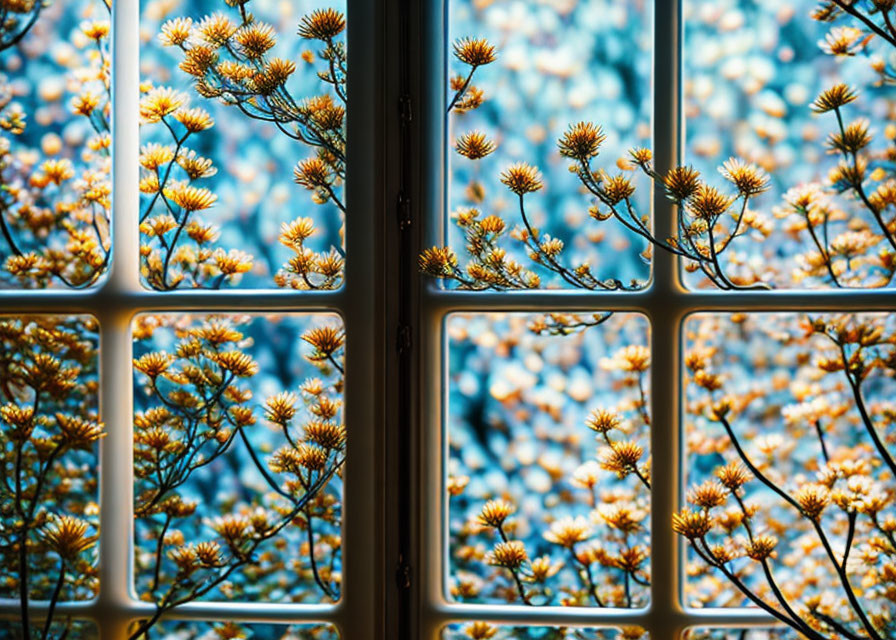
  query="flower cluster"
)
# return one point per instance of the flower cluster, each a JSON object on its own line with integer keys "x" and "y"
{"x": 55, "y": 202}
{"x": 229, "y": 56}
{"x": 564, "y": 324}
{"x": 838, "y": 230}
{"x": 55, "y": 162}
{"x": 489, "y": 267}
{"x": 567, "y": 524}
{"x": 197, "y": 420}
{"x": 791, "y": 506}
{"x": 859, "y": 197}
{"x": 789, "y": 424}
{"x": 16, "y": 20}
{"x": 178, "y": 246}
{"x": 307, "y": 269}
{"x": 49, "y": 430}
{"x": 474, "y": 53}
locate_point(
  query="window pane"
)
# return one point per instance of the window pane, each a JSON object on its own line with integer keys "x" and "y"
{"x": 74, "y": 629}
{"x": 237, "y": 630}
{"x": 238, "y": 453}
{"x": 480, "y": 630}
{"x": 243, "y": 144}
{"x": 555, "y": 65}
{"x": 752, "y": 73}
{"x": 548, "y": 465}
{"x": 49, "y": 432}
{"x": 789, "y": 463}
{"x": 741, "y": 634}
{"x": 55, "y": 144}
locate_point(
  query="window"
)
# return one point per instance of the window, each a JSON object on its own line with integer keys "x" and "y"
{"x": 506, "y": 451}
{"x": 288, "y": 369}
{"x": 153, "y": 293}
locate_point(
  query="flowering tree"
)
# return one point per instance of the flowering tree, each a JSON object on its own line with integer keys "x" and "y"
{"x": 227, "y": 55}
{"x": 55, "y": 202}
{"x": 755, "y": 517}
{"x": 198, "y": 412}
{"x": 56, "y": 211}
{"x": 48, "y": 380}
{"x": 591, "y": 547}
{"x": 198, "y": 415}
{"x": 846, "y": 225}
{"x": 818, "y": 487}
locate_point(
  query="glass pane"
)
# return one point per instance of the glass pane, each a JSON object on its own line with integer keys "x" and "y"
{"x": 49, "y": 433}
{"x": 789, "y": 465}
{"x": 69, "y": 629}
{"x": 741, "y": 634}
{"x": 482, "y": 630}
{"x": 753, "y": 74}
{"x": 242, "y": 143}
{"x": 55, "y": 143}
{"x": 170, "y": 630}
{"x": 521, "y": 75}
{"x": 548, "y": 464}
{"x": 238, "y": 454}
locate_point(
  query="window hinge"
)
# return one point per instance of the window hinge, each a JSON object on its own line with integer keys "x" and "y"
{"x": 403, "y": 342}
{"x": 404, "y": 109}
{"x": 403, "y": 573}
{"x": 403, "y": 211}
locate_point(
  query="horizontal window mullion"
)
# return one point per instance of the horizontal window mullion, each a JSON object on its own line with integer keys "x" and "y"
{"x": 584, "y": 617}
{"x": 246, "y": 611}
{"x": 655, "y": 300}
{"x": 519, "y": 615}
{"x": 446, "y": 301}
{"x": 137, "y": 301}
{"x": 436, "y": 301}
{"x": 437, "y": 615}
{"x": 206, "y": 611}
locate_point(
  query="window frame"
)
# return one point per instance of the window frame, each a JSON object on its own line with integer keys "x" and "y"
{"x": 119, "y": 297}
{"x": 666, "y": 303}
{"x": 395, "y": 509}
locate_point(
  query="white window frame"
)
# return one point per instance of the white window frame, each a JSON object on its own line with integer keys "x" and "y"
{"x": 665, "y": 303}
{"x": 120, "y": 296}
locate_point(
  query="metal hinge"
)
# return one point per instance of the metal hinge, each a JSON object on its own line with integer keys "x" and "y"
{"x": 403, "y": 211}
{"x": 404, "y": 109}
{"x": 403, "y": 341}
{"x": 403, "y": 573}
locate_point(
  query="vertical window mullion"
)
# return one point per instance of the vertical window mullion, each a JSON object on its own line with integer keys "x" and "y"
{"x": 116, "y": 390}
{"x": 665, "y": 320}
{"x": 431, "y": 557}
{"x": 360, "y": 612}
{"x": 116, "y": 475}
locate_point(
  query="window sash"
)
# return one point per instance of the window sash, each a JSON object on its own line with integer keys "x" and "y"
{"x": 665, "y": 302}
{"x": 371, "y": 486}
{"x": 120, "y": 296}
